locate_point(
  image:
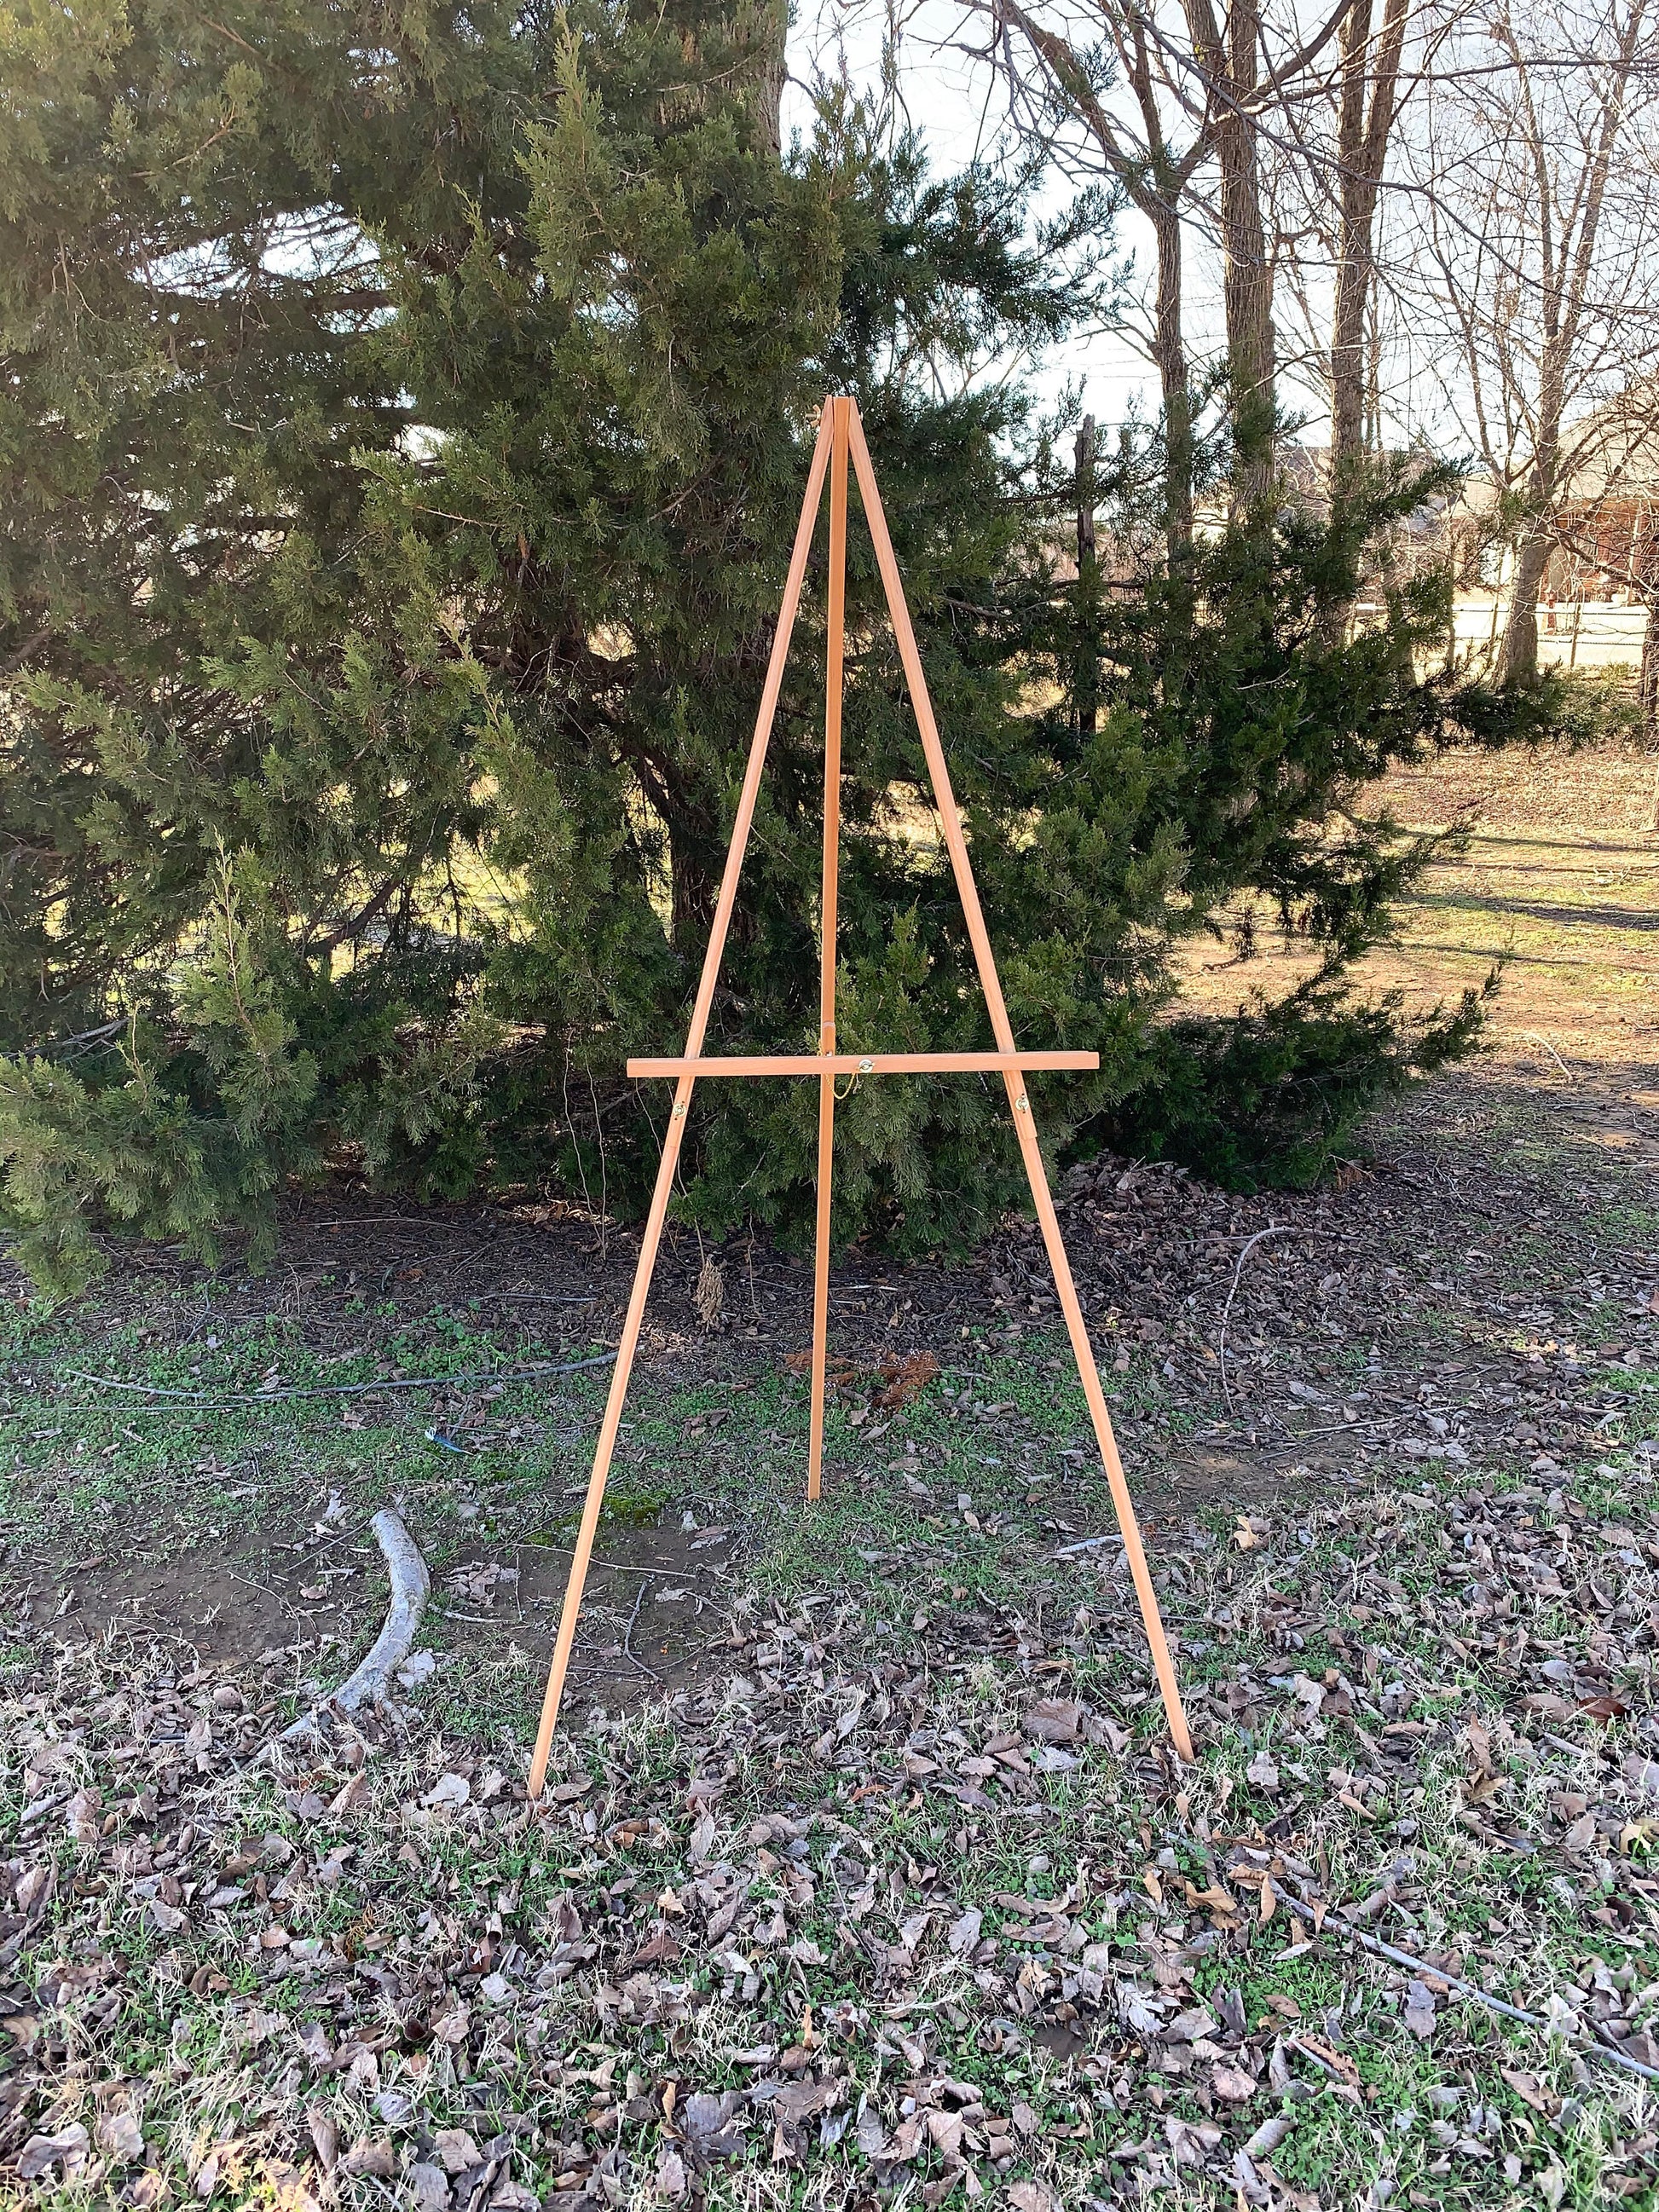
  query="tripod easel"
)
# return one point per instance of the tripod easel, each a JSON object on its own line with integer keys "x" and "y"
{"x": 841, "y": 438}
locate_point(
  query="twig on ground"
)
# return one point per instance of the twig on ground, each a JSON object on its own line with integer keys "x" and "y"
{"x": 1589, "y": 2049}
{"x": 1274, "y": 1229}
{"x": 278, "y": 1599}
{"x": 1576, "y": 1750}
{"x": 1350, "y": 1428}
{"x": 1552, "y": 1053}
{"x": 629, "y": 1651}
{"x": 626, "y": 1567}
{"x": 340, "y": 1389}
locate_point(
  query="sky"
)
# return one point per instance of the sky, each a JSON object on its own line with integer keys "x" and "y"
{"x": 957, "y": 108}
{"x": 953, "y": 103}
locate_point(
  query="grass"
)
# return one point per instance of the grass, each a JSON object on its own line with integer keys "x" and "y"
{"x": 230, "y": 1468}
{"x": 835, "y": 1859}
{"x": 1558, "y": 882}
{"x": 1439, "y": 2121}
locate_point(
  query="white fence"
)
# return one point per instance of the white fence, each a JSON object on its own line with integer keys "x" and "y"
{"x": 1573, "y": 632}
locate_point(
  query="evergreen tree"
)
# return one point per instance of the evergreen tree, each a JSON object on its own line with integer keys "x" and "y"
{"x": 401, "y": 430}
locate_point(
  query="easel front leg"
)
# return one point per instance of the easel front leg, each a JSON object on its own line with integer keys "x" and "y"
{"x": 841, "y": 412}
{"x": 820, "y": 1282}
{"x": 1089, "y": 1376}
{"x": 619, "y": 1377}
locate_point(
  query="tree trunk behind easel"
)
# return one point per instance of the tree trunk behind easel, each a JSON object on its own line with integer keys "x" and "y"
{"x": 1248, "y": 271}
{"x": 1645, "y": 575}
{"x": 774, "y": 75}
{"x": 1517, "y": 651}
{"x": 763, "y": 26}
{"x": 1566, "y": 288}
{"x": 1086, "y": 677}
{"x": 1170, "y": 355}
{"x": 1363, "y": 132}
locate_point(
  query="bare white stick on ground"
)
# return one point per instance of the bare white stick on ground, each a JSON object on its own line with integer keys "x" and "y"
{"x": 411, "y": 1586}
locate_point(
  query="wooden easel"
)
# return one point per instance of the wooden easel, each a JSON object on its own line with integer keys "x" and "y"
{"x": 841, "y": 435}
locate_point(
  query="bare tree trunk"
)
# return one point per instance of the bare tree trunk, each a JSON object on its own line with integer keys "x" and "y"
{"x": 1155, "y": 184}
{"x": 1567, "y": 276}
{"x": 1517, "y": 656}
{"x": 1218, "y": 92}
{"x": 1084, "y": 451}
{"x": 1647, "y": 685}
{"x": 1086, "y": 678}
{"x": 1248, "y": 276}
{"x": 772, "y": 23}
{"x": 1517, "y": 651}
{"x": 1170, "y": 353}
{"x": 1155, "y": 177}
{"x": 1233, "y": 69}
{"x": 1362, "y": 149}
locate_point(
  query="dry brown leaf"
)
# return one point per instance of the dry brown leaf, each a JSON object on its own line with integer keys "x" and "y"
{"x": 906, "y": 1379}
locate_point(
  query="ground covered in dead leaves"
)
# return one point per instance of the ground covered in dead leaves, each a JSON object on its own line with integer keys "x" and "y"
{"x": 895, "y": 1895}
{"x": 865, "y": 1879}
{"x": 834, "y": 1932}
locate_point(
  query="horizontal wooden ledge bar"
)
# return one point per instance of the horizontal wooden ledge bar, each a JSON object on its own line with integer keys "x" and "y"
{"x": 868, "y": 1063}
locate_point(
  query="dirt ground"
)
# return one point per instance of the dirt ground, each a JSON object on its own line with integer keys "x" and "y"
{"x": 865, "y": 1836}
{"x": 1558, "y": 882}
{"x": 654, "y": 1599}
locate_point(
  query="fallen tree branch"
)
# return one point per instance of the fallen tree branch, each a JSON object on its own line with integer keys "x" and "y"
{"x": 627, "y": 1639}
{"x": 1274, "y": 1229}
{"x": 1588, "y": 2048}
{"x": 1552, "y": 1053}
{"x": 340, "y": 1389}
{"x": 411, "y": 1586}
